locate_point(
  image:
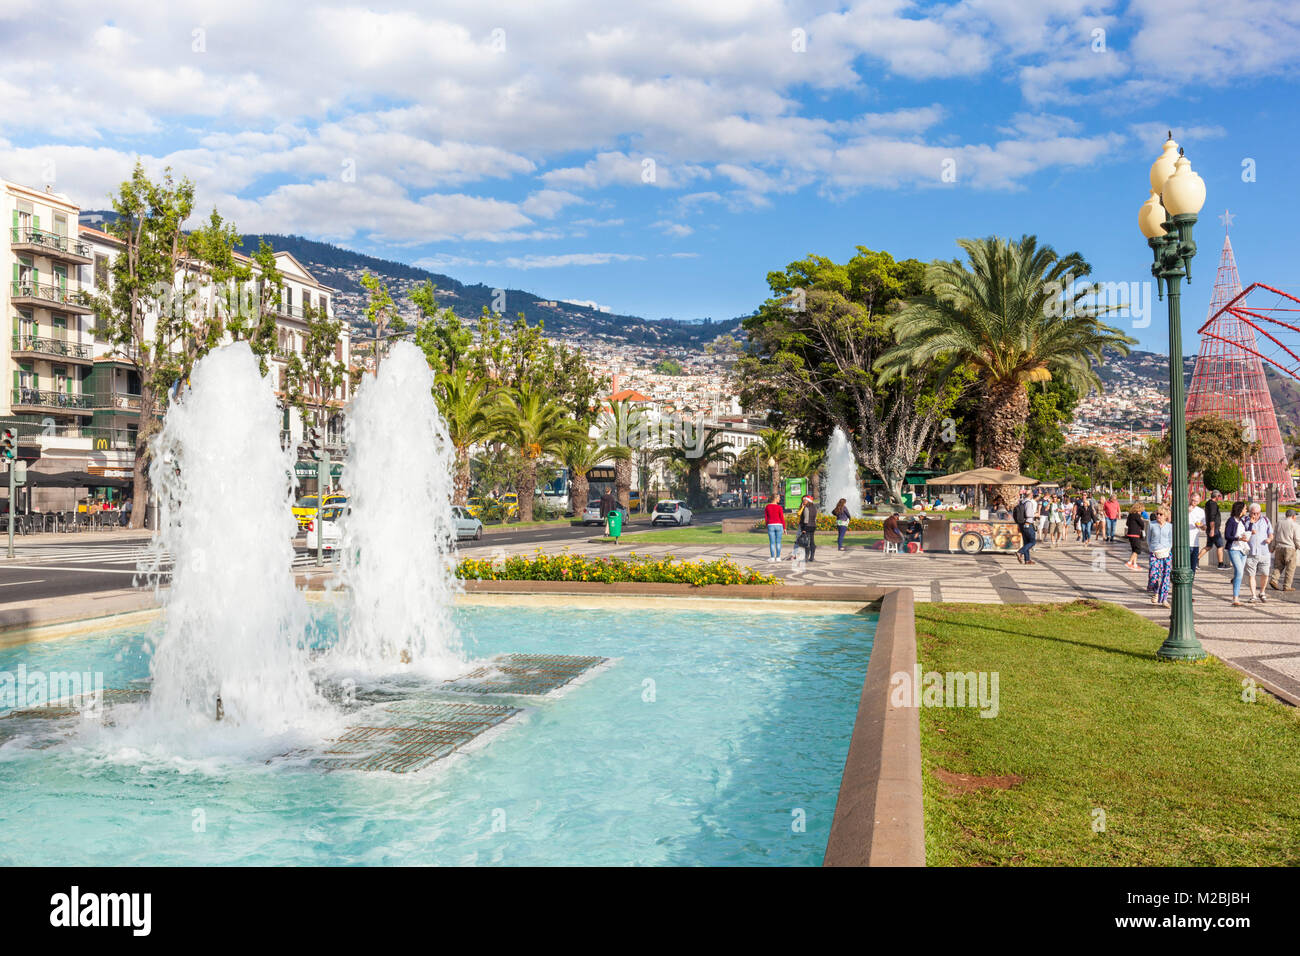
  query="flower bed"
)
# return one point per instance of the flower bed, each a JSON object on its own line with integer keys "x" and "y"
{"x": 826, "y": 522}
{"x": 576, "y": 567}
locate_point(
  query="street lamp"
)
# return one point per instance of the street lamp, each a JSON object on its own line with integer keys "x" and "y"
{"x": 1166, "y": 219}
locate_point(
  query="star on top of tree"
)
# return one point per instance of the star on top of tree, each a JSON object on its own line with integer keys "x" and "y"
{"x": 1226, "y": 219}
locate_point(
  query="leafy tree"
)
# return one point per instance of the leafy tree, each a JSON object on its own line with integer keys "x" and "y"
{"x": 382, "y": 314}
{"x": 152, "y": 313}
{"x": 445, "y": 340}
{"x": 255, "y": 321}
{"x": 698, "y": 455}
{"x": 313, "y": 374}
{"x": 1225, "y": 477}
{"x": 467, "y": 406}
{"x": 668, "y": 367}
{"x": 1016, "y": 315}
{"x": 534, "y": 426}
{"x": 812, "y": 361}
{"x": 1212, "y": 441}
{"x": 1140, "y": 466}
{"x": 1051, "y": 405}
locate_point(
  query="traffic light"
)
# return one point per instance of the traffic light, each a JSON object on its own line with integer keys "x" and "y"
{"x": 316, "y": 442}
{"x": 8, "y": 445}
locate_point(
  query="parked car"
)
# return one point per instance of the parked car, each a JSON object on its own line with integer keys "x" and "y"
{"x": 672, "y": 512}
{"x": 327, "y": 529}
{"x": 468, "y": 527}
{"x": 304, "y": 509}
{"x": 634, "y": 501}
{"x": 728, "y": 499}
{"x": 591, "y": 515}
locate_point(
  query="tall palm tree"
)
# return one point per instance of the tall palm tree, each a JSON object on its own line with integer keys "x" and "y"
{"x": 467, "y": 407}
{"x": 535, "y": 425}
{"x": 622, "y": 426}
{"x": 803, "y": 461}
{"x": 697, "y": 456}
{"x": 773, "y": 445}
{"x": 580, "y": 457}
{"x": 1015, "y": 315}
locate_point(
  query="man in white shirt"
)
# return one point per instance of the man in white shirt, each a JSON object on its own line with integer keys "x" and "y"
{"x": 1286, "y": 545}
{"x": 1258, "y": 559}
{"x": 1195, "y": 525}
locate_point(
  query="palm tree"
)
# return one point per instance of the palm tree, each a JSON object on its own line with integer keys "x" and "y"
{"x": 803, "y": 461}
{"x": 708, "y": 450}
{"x": 580, "y": 457}
{"x": 773, "y": 445}
{"x": 1014, "y": 315}
{"x": 622, "y": 425}
{"x": 535, "y": 425}
{"x": 467, "y": 407}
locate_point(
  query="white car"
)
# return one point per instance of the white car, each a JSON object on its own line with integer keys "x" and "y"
{"x": 672, "y": 512}
{"x": 326, "y": 530}
{"x": 467, "y": 526}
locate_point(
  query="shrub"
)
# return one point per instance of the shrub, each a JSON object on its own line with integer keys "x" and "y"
{"x": 826, "y": 522}
{"x": 576, "y": 567}
{"x": 1226, "y": 478}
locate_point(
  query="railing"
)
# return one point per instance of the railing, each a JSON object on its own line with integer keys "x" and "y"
{"x": 51, "y": 293}
{"x": 123, "y": 401}
{"x": 298, "y": 312}
{"x": 51, "y": 399}
{"x": 32, "y": 343}
{"x": 50, "y": 240}
{"x": 101, "y": 438}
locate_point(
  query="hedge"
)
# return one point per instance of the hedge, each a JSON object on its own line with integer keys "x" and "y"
{"x": 576, "y": 567}
{"x": 826, "y": 522}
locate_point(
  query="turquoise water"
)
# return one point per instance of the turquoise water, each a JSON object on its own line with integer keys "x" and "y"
{"x": 708, "y": 741}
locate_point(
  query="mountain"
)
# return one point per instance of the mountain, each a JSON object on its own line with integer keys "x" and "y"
{"x": 342, "y": 269}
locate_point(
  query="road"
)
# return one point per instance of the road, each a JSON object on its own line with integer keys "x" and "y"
{"x": 49, "y": 568}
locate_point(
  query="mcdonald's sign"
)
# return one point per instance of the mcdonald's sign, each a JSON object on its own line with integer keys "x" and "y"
{"x": 101, "y": 444}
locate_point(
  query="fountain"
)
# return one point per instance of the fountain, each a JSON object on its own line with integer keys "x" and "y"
{"x": 842, "y": 475}
{"x": 397, "y": 539}
{"x": 230, "y": 647}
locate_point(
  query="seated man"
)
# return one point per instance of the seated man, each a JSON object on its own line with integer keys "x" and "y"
{"x": 893, "y": 533}
{"x": 913, "y": 530}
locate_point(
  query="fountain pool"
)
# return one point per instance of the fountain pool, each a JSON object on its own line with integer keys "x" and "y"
{"x": 711, "y": 737}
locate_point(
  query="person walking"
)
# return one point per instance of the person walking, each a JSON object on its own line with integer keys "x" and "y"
{"x": 1055, "y": 520}
{"x": 1259, "y": 559}
{"x": 1286, "y": 541}
{"x": 807, "y": 524}
{"x": 774, "y": 515}
{"x": 1024, "y": 515}
{"x": 1238, "y": 538}
{"x": 1214, "y": 529}
{"x": 1087, "y": 515}
{"x": 607, "y": 504}
{"x": 1111, "y": 510}
{"x": 1135, "y": 529}
{"x": 842, "y": 516}
{"x": 1160, "y": 542}
{"x": 1195, "y": 525}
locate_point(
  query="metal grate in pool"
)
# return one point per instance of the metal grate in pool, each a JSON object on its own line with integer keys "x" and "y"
{"x": 411, "y": 734}
{"x": 530, "y": 674}
{"x": 72, "y": 706}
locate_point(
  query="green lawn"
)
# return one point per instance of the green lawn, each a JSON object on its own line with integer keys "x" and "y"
{"x": 712, "y": 534}
{"x": 1187, "y": 773}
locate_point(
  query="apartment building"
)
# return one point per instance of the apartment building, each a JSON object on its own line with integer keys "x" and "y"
{"x": 68, "y": 389}
{"x": 49, "y": 354}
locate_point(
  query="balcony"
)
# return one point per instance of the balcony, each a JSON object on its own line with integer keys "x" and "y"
{"x": 50, "y": 296}
{"x": 116, "y": 401}
{"x": 63, "y": 248}
{"x": 31, "y": 346}
{"x": 39, "y": 400}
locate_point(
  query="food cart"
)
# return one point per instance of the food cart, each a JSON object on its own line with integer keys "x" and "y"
{"x": 996, "y": 533}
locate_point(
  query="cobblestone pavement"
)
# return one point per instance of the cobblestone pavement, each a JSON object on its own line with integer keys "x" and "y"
{"x": 1262, "y": 639}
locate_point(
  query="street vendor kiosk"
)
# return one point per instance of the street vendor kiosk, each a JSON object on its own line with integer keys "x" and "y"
{"x": 971, "y": 535}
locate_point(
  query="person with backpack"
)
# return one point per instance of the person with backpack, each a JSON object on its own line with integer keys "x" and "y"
{"x": 1087, "y": 515}
{"x": 1023, "y": 515}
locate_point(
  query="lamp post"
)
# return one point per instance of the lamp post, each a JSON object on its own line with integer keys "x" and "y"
{"x": 1166, "y": 219}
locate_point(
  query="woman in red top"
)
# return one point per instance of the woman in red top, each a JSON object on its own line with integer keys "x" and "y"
{"x": 774, "y": 514}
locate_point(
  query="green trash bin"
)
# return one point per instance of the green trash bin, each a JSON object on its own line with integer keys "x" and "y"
{"x": 614, "y": 523}
{"x": 907, "y": 499}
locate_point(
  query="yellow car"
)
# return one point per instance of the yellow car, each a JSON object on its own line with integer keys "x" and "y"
{"x": 304, "y": 509}
{"x": 634, "y": 501}
{"x": 473, "y": 506}
{"x": 511, "y": 501}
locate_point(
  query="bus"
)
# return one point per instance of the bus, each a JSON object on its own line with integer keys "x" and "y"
{"x": 599, "y": 480}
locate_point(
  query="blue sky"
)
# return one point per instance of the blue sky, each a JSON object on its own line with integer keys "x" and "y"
{"x": 513, "y": 146}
